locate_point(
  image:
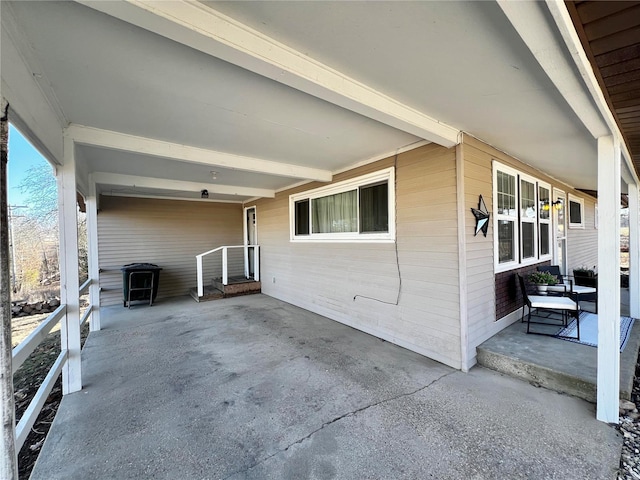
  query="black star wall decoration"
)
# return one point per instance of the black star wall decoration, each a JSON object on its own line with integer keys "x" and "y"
{"x": 482, "y": 217}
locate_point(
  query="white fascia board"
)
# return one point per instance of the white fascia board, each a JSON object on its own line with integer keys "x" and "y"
{"x": 209, "y": 31}
{"x": 529, "y": 21}
{"x": 565, "y": 25}
{"x": 105, "y": 178}
{"x": 158, "y": 148}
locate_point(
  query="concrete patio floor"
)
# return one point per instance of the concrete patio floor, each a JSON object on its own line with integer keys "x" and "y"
{"x": 254, "y": 388}
{"x": 557, "y": 364}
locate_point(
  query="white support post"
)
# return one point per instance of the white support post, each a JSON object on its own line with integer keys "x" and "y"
{"x": 609, "y": 180}
{"x": 634, "y": 251}
{"x": 69, "y": 282}
{"x": 225, "y": 276}
{"x": 94, "y": 259}
{"x": 200, "y": 279}
{"x": 256, "y": 263}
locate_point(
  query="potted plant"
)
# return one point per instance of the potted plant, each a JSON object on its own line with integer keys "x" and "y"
{"x": 542, "y": 280}
{"x": 585, "y": 276}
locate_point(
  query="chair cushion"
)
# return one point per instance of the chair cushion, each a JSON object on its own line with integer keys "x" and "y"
{"x": 560, "y": 303}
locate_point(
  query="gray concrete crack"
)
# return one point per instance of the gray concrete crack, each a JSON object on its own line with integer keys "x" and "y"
{"x": 337, "y": 419}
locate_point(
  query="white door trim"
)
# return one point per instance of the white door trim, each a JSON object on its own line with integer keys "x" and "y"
{"x": 559, "y": 193}
{"x": 245, "y": 233}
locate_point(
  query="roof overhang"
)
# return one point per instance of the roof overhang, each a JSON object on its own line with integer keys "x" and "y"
{"x": 161, "y": 97}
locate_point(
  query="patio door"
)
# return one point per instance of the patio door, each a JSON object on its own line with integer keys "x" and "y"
{"x": 250, "y": 238}
{"x": 560, "y": 230}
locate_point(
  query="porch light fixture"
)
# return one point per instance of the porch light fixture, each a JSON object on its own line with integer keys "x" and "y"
{"x": 204, "y": 194}
{"x": 557, "y": 204}
{"x": 545, "y": 206}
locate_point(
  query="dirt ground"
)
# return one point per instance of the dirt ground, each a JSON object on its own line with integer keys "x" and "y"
{"x": 28, "y": 379}
{"x": 21, "y": 327}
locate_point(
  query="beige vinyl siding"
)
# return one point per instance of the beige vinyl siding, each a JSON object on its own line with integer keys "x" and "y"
{"x": 169, "y": 234}
{"x": 478, "y": 180}
{"x": 481, "y": 305}
{"x": 358, "y": 283}
{"x": 583, "y": 242}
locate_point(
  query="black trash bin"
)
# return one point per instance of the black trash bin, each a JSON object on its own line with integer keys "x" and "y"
{"x": 140, "y": 282}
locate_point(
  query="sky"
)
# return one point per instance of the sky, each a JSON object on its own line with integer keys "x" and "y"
{"x": 22, "y": 156}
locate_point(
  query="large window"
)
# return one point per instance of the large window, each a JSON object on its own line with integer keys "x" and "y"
{"x": 360, "y": 209}
{"x": 522, "y": 220}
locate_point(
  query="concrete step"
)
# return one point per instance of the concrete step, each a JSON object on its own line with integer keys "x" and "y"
{"x": 210, "y": 293}
{"x": 555, "y": 364}
{"x": 237, "y": 286}
{"x": 536, "y": 374}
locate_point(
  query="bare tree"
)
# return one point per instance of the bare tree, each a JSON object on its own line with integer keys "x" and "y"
{"x": 40, "y": 254}
{"x": 41, "y": 190}
{"x": 37, "y": 231}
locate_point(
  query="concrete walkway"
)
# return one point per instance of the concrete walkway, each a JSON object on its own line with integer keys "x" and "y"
{"x": 254, "y": 388}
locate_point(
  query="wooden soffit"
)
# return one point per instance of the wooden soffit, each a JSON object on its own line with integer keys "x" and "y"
{"x": 610, "y": 35}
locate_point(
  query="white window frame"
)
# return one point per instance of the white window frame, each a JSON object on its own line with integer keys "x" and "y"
{"x": 519, "y": 220}
{"x": 548, "y": 221}
{"x": 501, "y": 267}
{"x": 580, "y": 201}
{"x": 522, "y": 219}
{"x": 385, "y": 175}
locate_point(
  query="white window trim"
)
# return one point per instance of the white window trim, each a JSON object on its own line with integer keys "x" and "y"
{"x": 546, "y": 221}
{"x": 575, "y": 199}
{"x": 595, "y": 216}
{"x": 522, "y": 219}
{"x": 518, "y": 220}
{"x": 387, "y": 174}
{"x": 503, "y": 267}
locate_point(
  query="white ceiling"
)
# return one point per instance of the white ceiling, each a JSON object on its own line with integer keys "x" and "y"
{"x": 461, "y": 63}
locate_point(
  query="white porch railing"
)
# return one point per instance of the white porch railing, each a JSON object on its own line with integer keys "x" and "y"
{"x": 225, "y": 264}
{"x": 22, "y": 351}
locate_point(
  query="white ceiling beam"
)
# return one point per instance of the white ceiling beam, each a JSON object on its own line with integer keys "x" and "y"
{"x": 627, "y": 175}
{"x": 530, "y": 21}
{"x": 202, "y": 28}
{"x": 33, "y": 106}
{"x": 158, "y": 148}
{"x": 105, "y": 178}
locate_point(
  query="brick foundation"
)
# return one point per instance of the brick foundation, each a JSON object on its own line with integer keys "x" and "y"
{"x": 508, "y": 296}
